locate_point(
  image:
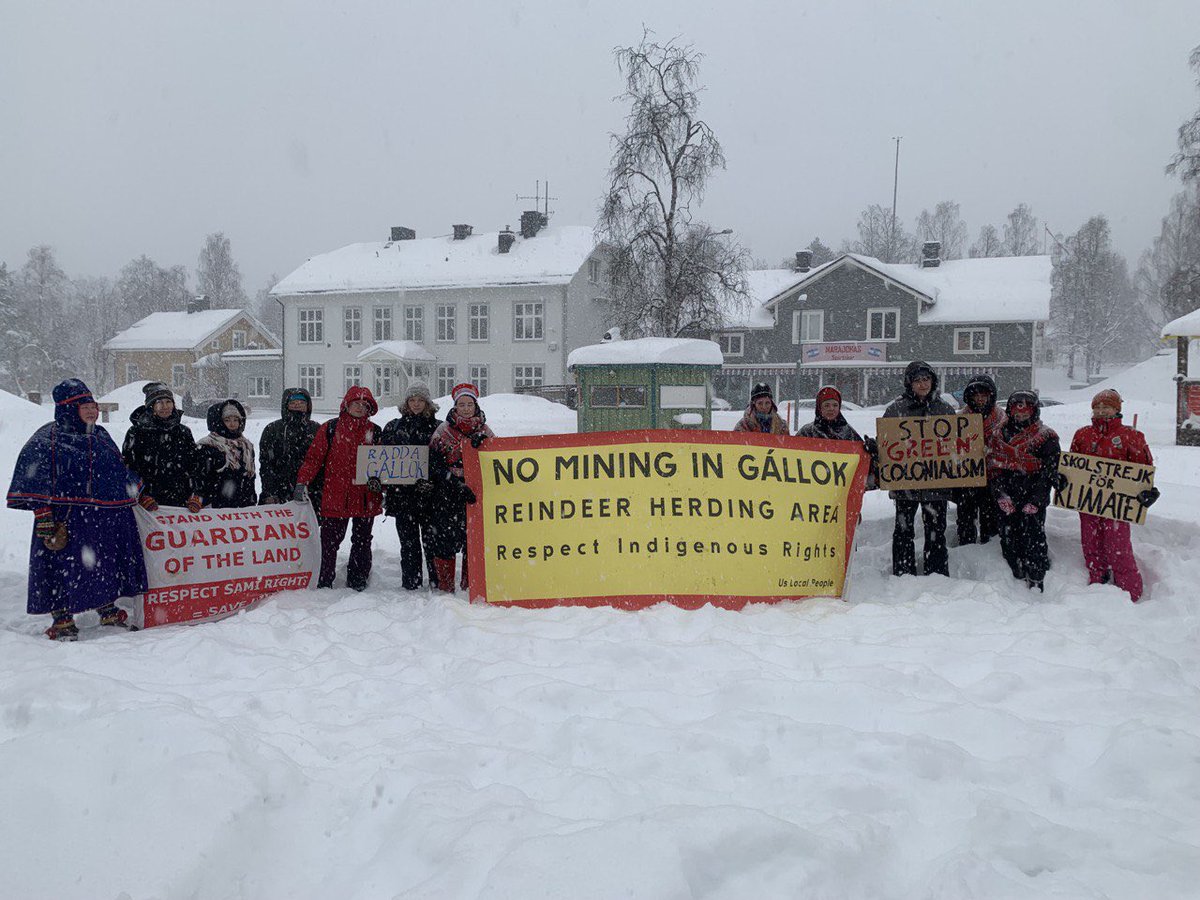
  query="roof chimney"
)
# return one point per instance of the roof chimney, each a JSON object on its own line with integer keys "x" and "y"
{"x": 462, "y": 232}
{"x": 507, "y": 238}
{"x": 803, "y": 260}
{"x": 198, "y": 303}
{"x": 932, "y": 253}
{"x": 532, "y": 222}
{"x": 400, "y": 233}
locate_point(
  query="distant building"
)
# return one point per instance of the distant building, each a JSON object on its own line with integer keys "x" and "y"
{"x": 185, "y": 349}
{"x": 500, "y": 309}
{"x": 856, "y": 322}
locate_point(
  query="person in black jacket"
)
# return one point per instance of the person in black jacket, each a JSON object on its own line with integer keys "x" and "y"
{"x": 1025, "y": 469}
{"x": 412, "y": 504}
{"x": 283, "y": 445}
{"x": 162, "y": 451}
{"x": 920, "y": 398}
{"x": 829, "y": 423}
{"x": 227, "y": 466}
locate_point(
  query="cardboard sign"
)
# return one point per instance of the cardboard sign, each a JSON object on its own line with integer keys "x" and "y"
{"x": 392, "y": 463}
{"x": 632, "y": 518}
{"x": 1107, "y": 488}
{"x": 208, "y": 565}
{"x": 926, "y": 452}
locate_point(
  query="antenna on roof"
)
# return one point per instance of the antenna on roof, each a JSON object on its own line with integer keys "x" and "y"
{"x": 539, "y": 198}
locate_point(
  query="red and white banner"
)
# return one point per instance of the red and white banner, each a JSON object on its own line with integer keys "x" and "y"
{"x": 846, "y": 351}
{"x": 206, "y": 565}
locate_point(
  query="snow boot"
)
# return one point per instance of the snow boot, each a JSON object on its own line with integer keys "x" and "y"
{"x": 63, "y": 629}
{"x": 1034, "y": 585}
{"x": 112, "y": 616}
{"x": 445, "y": 574}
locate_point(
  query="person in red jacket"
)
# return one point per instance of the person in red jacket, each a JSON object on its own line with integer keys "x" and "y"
{"x": 1106, "y": 545}
{"x": 328, "y": 473}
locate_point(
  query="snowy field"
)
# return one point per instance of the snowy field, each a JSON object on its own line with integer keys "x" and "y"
{"x": 938, "y": 738}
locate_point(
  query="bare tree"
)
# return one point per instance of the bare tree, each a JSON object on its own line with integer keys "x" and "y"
{"x": 1187, "y": 161}
{"x": 42, "y": 295}
{"x": 988, "y": 243}
{"x": 267, "y": 309}
{"x": 14, "y": 333}
{"x": 1021, "y": 234}
{"x": 217, "y": 275}
{"x": 667, "y": 269}
{"x": 881, "y": 237}
{"x": 944, "y": 224}
{"x": 1168, "y": 274}
{"x": 97, "y": 309}
{"x": 146, "y": 288}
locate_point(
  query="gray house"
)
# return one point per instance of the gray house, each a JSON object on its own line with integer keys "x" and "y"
{"x": 856, "y": 322}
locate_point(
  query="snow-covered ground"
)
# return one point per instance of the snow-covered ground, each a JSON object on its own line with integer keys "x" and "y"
{"x": 936, "y": 737}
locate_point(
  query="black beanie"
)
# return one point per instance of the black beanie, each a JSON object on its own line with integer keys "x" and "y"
{"x": 762, "y": 389}
{"x": 156, "y": 390}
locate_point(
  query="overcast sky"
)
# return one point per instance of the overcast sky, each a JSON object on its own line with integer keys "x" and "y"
{"x": 296, "y": 128}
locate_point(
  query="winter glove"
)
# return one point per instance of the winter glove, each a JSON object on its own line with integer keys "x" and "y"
{"x": 424, "y": 487}
{"x": 194, "y": 503}
{"x": 478, "y": 438}
{"x": 1006, "y": 506}
{"x": 374, "y": 485}
{"x": 43, "y": 523}
{"x": 870, "y": 445}
{"x": 147, "y": 503}
{"x": 300, "y": 494}
{"x": 1030, "y": 509}
{"x": 268, "y": 500}
{"x": 468, "y": 495}
{"x": 1148, "y": 496}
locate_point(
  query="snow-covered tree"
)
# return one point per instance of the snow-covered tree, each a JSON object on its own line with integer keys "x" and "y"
{"x": 1168, "y": 274}
{"x": 42, "y": 292}
{"x": 668, "y": 270}
{"x": 13, "y": 333}
{"x": 146, "y": 288}
{"x": 1021, "y": 233}
{"x": 989, "y": 243}
{"x": 944, "y": 224}
{"x": 217, "y": 275}
{"x": 1187, "y": 161}
{"x": 882, "y": 236}
{"x": 266, "y": 310}
{"x": 96, "y": 307}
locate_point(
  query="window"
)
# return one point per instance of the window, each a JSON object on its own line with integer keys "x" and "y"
{"x": 383, "y": 323}
{"x": 131, "y": 372}
{"x": 478, "y": 327}
{"x": 239, "y": 340}
{"x": 808, "y": 325}
{"x": 312, "y": 326}
{"x": 351, "y": 377}
{"x": 594, "y": 271}
{"x": 385, "y": 381}
{"x": 447, "y": 322}
{"x": 414, "y": 324}
{"x": 260, "y": 386}
{"x": 352, "y": 325}
{"x": 972, "y": 340}
{"x": 527, "y": 321}
{"x": 527, "y": 376}
{"x": 479, "y": 378}
{"x": 178, "y": 375}
{"x": 312, "y": 379}
{"x": 215, "y": 344}
{"x": 624, "y": 396}
{"x": 731, "y": 344}
{"x": 447, "y": 378}
{"x": 883, "y": 324}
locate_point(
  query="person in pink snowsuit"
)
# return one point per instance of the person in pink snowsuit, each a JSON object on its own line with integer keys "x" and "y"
{"x": 1107, "y": 549}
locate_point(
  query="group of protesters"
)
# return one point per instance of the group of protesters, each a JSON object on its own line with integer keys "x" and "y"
{"x": 85, "y": 551}
{"x": 1022, "y": 455}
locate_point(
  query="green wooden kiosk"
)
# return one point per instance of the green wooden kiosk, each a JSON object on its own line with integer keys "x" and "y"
{"x": 645, "y": 383}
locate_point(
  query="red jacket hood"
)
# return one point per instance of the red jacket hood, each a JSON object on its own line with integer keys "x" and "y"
{"x": 360, "y": 393}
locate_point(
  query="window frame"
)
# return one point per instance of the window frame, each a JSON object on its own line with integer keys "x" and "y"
{"x": 809, "y": 314}
{"x": 383, "y": 327}
{"x": 385, "y": 377}
{"x": 180, "y": 369}
{"x": 540, "y": 377}
{"x": 729, "y": 336}
{"x": 257, "y": 381}
{"x": 521, "y": 317}
{"x": 312, "y": 379}
{"x": 133, "y": 372}
{"x": 239, "y": 339}
{"x": 449, "y": 334}
{"x": 314, "y": 326}
{"x": 446, "y": 382}
{"x": 474, "y": 318}
{"x": 621, "y": 390}
{"x": 971, "y": 351}
{"x": 593, "y": 275}
{"x": 483, "y": 382}
{"x": 414, "y": 323}
{"x": 885, "y": 310}
{"x": 352, "y": 317}
{"x": 349, "y": 381}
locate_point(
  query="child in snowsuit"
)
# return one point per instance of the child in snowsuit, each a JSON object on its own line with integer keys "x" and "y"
{"x": 85, "y": 551}
{"x": 411, "y": 504}
{"x": 920, "y": 398}
{"x": 978, "y": 520}
{"x": 330, "y": 467}
{"x": 161, "y": 450}
{"x": 284, "y": 444}
{"x": 1107, "y": 549}
{"x": 451, "y": 495}
{"x": 227, "y": 478}
{"x": 761, "y": 416}
{"x": 1025, "y": 468}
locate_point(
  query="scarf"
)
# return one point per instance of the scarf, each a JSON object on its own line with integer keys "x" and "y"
{"x": 451, "y": 434}
{"x": 1016, "y": 446}
{"x": 239, "y": 452}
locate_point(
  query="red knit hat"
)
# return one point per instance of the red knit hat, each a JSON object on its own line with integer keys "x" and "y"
{"x": 1108, "y": 397}
{"x": 466, "y": 389}
{"x": 829, "y": 392}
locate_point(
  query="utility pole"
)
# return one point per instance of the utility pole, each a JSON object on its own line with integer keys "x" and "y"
{"x": 895, "y": 191}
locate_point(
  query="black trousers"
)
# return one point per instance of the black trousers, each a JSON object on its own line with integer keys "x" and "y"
{"x": 333, "y": 532}
{"x": 978, "y": 517}
{"x": 904, "y": 550}
{"x": 416, "y": 541}
{"x": 1023, "y": 542}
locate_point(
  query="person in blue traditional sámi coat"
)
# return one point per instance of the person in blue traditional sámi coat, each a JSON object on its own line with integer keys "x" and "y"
{"x": 85, "y": 551}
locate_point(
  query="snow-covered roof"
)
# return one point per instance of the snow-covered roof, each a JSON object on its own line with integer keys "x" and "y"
{"x": 252, "y": 354}
{"x": 406, "y": 351}
{"x": 554, "y": 256}
{"x": 645, "y": 351}
{"x": 995, "y": 289}
{"x": 1184, "y": 326}
{"x": 177, "y": 330}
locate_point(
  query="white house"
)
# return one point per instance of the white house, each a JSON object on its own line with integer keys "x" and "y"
{"x": 500, "y": 309}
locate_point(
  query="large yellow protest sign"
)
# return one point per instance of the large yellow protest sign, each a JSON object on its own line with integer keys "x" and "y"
{"x": 633, "y": 518}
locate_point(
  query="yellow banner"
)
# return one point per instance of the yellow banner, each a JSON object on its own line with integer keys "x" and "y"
{"x": 633, "y": 518}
